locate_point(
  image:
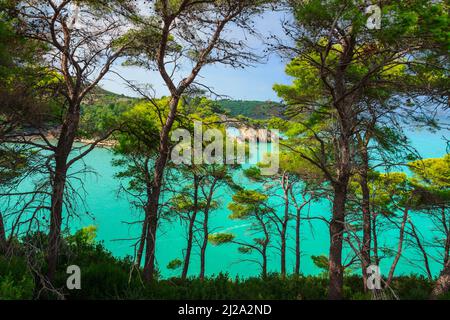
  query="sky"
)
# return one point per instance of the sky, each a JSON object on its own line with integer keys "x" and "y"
{"x": 251, "y": 83}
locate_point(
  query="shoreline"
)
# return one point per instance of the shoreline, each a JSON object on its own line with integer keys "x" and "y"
{"x": 103, "y": 144}
{"x": 52, "y": 135}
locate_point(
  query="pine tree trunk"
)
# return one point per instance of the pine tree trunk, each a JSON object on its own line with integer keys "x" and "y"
{"x": 204, "y": 246}
{"x": 399, "y": 247}
{"x": 442, "y": 285}
{"x": 192, "y": 221}
{"x": 55, "y": 221}
{"x": 152, "y": 215}
{"x": 367, "y": 232}
{"x": 3, "y": 243}
{"x": 422, "y": 250}
{"x": 283, "y": 234}
{"x": 206, "y": 231}
{"x": 447, "y": 235}
{"x": 336, "y": 241}
{"x": 376, "y": 258}
{"x": 150, "y": 239}
{"x": 62, "y": 152}
{"x": 140, "y": 251}
{"x": 297, "y": 242}
{"x": 264, "y": 264}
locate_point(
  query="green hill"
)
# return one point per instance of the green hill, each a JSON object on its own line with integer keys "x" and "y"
{"x": 101, "y": 109}
{"x": 252, "y": 109}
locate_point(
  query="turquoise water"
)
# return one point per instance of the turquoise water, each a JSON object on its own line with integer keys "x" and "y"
{"x": 111, "y": 214}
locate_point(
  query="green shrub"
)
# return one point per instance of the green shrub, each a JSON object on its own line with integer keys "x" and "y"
{"x": 16, "y": 282}
{"x": 104, "y": 276}
{"x": 412, "y": 287}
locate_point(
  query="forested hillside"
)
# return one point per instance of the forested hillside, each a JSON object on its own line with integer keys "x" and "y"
{"x": 101, "y": 111}
{"x": 102, "y": 108}
{"x": 252, "y": 109}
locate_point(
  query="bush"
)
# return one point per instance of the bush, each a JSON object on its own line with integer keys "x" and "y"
{"x": 16, "y": 282}
{"x": 412, "y": 287}
{"x": 104, "y": 276}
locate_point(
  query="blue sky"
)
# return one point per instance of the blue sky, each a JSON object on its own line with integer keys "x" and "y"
{"x": 252, "y": 83}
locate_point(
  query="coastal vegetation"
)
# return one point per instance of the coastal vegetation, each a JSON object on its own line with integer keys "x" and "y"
{"x": 354, "y": 92}
{"x": 107, "y": 278}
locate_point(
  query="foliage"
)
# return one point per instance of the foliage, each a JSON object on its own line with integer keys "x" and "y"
{"x": 174, "y": 264}
{"x": 352, "y": 89}
{"x": 433, "y": 172}
{"x": 220, "y": 238}
{"x": 86, "y": 235}
{"x": 246, "y": 203}
{"x": 251, "y": 109}
{"x": 103, "y": 111}
{"x": 321, "y": 262}
{"x": 106, "y": 277}
{"x": 16, "y": 281}
{"x": 14, "y": 160}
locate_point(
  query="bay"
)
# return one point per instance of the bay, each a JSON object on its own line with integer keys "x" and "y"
{"x": 112, "y": 213}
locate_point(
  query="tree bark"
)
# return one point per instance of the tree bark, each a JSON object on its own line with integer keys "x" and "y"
{"x": 142, "y": 240}
{"x": 62, "y": 152}
{"x": 442, "y": 285}
{"x": 336, "y": 242}
{"x": 192, "y": 220}
{"x": 363, "y": 144}
{"x": 152, "y": 215}
{"x": 150, "y": 239}
{"x": 399, "y": 248}
{"x": 264, "y": 265}
{"x": 422, "y": 250}
{"x": 284, "y": 226}
{"x": 376, "y": 258}
{"x": 297, "y": 241}
{"x": 264, "y": 244}
{"x": 204, "y": 246}
{"x": 57, "y": 199}
{"x": 367, "y": 233}
{"x": 343, "y": 104}
{"x": 447, "y": 235}
{"x": 3, "y": 243}
{"x": 206, "y": 231}
{"x": 298, "y": 212}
